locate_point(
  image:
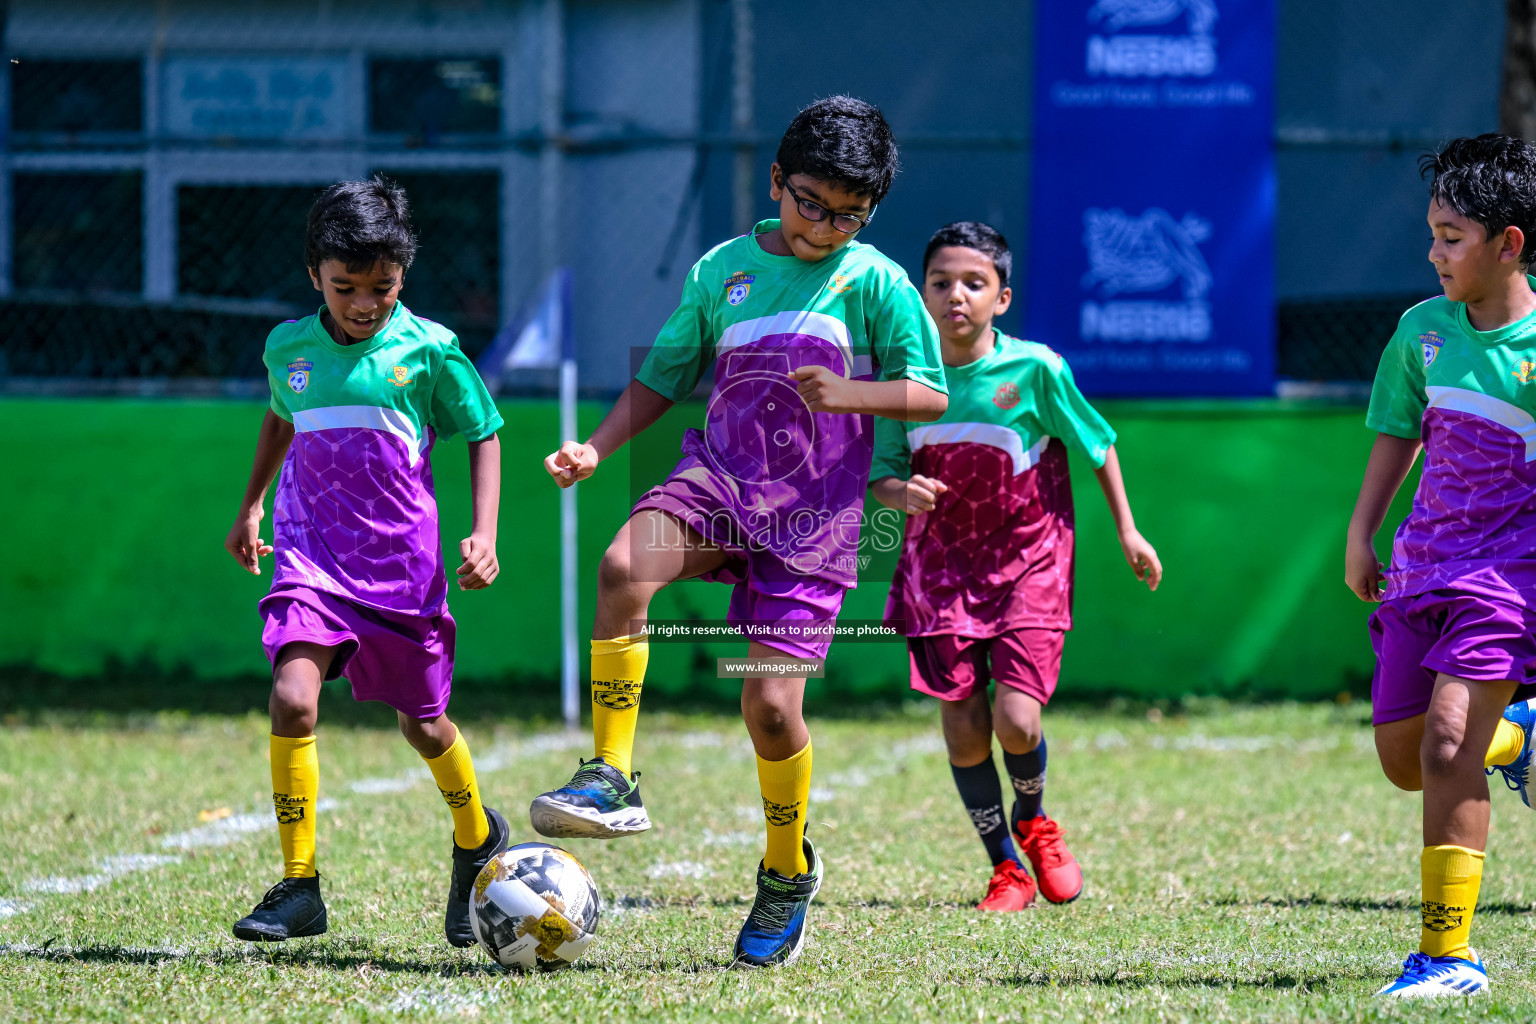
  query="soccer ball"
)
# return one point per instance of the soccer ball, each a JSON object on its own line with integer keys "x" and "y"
{"x": 534, "y": 907}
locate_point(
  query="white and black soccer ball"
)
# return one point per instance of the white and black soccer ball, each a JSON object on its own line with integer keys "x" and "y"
{"x": 534, "y": 907}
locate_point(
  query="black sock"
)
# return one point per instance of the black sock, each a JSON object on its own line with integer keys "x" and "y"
{"x": 1027, "y": 772}
{"x": 982, "y": 794}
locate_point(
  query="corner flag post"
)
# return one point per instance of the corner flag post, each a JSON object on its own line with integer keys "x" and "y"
{"x": 570, "y": 660}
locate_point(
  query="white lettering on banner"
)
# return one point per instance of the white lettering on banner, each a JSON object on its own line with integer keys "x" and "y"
{"x": 1152, "y": 56}
{"x": 1145, "y": 321}
{"x": 255, "y": 97}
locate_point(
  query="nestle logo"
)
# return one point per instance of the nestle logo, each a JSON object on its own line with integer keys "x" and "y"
{"x": 1152, "y": 56}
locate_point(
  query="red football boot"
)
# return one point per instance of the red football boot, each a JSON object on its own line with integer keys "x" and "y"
{"x": 1056, "y": 869}
{"x": 1011, "y": 888}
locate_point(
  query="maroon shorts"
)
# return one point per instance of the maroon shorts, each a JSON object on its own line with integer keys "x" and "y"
{"x": 406, "y": 661}
{"x": 953, "y": 667}
{"x": 1465, "y": 635}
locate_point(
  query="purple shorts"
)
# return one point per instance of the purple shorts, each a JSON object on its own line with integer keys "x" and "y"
{"x": 953, "y": 667}
{"x": 406, "y": 661}
{"x": 770, "y": 603}
{"x": 1461, "y": 634}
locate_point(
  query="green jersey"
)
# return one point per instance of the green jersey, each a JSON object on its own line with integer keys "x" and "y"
{"x": 355, "y": 514}
{"x": 1468, "y": 395}
{"x": 995, "y": 554}
{"x": 789, "y": 483}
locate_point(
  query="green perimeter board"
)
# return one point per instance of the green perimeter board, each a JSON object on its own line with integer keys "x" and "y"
{"x": 115, "y": 534}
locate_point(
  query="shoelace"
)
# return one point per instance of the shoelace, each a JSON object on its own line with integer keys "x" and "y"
{"x": 1507, "y": 774}
{"x": 999, "y": 881}
{"x": 590, "y": 771}
{"x": 1046, "y": 839}
{"x": 773, "y": 910}
{"x": 274, "y": 895}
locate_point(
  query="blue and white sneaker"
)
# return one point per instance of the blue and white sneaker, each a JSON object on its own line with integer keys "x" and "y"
{"x": 774, "y": 932}
{"x": 1517, "y": 774}
{"x": 1429, "y": 977}
{"x": 600, "y": 802}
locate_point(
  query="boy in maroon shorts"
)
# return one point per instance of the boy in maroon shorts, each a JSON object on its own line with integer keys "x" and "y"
{"x": 983, "y": 589}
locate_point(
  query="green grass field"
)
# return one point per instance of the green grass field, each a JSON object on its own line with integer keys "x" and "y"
{"x": 1243, "y": 863}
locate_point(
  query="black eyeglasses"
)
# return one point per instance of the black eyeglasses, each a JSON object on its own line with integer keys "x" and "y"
{"x": 847, "y": 223}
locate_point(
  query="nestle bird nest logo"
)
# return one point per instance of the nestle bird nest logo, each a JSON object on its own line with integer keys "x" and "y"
{"x": 1152, "y": 55}
{"x": 1149, "y": 253}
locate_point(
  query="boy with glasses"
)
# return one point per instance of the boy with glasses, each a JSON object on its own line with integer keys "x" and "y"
{"x": 809, "y": 334}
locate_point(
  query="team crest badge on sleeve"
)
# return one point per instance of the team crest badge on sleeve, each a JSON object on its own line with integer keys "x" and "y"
{"x": 737, "y": 287}
{"x": 298, "y": 374}
{"x": 1429, "y": 344}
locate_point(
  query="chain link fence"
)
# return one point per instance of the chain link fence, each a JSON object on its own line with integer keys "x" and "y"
{"x": 159, "y": 160}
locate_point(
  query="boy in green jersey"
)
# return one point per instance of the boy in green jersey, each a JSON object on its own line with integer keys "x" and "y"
{"x": 1453, "y": 636}
{"x": 983, "y": 590}
{"x": 360, "y": 392}
{"x": 809, "y": 334}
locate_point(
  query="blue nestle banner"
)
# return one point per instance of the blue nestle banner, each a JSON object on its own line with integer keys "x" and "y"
{"x": 1151, "y": 257}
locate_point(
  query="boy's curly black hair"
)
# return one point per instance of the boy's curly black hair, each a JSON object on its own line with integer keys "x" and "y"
{"x": 844, "y": 142}
{"x": 360, "y": 223}
{"x": 973, "y": 234}
{"x": 1491, "y": 180}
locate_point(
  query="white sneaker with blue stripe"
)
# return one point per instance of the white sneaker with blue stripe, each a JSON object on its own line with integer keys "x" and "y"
{"x": 1517, "y": 774}
{"x": 1428, "y": 977}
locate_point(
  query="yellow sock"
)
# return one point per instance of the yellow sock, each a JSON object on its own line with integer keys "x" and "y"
{"x": 618, "y": 671}
{"x": 786, "y": 789}
{"x": 1452, "y": 875}
{"x": 295, "y": 791}
{"x": 454, "y": 772}
{"x": 1508, "y": 741}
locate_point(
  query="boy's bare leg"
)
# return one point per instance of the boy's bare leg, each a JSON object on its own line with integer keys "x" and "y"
{"x": 772, "y": 709}
{"x": 1016, "y": 718}
{"x": 650, "y": 551}
{"x": 296, "y": 678}
{"x": 1458, "y": 728}
{"x": 602, "y": 800}
{"x": 1399, "y": 747}
{"x": 967, "y": 726}
{"x": 1038, "y": 839}
{"x": 294, "y": 907}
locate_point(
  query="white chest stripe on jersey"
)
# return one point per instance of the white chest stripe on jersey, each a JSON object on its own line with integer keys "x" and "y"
{"x": 817, "y": 325}
{"x": 980, "y": 433}
{"x": 1496, "y": 410}
{"x": 368, "y": 417}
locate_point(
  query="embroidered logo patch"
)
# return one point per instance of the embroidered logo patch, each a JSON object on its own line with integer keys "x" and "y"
{"x": 1524, "y": 372}
{"x": 298, "y": 374}
{"x": 1006, "y": 396}
{"x": 1429, "y": 344}
{"x": 400, "y": 376}
{"x": 738, "y": 286}
{"x": 840, "y": 283}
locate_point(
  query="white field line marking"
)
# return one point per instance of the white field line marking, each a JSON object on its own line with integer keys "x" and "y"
{"x": 623, "y": 906}
{"x": 822, "y": 795}
{"x": 109, "y": 868}
{"x": 678, "y": 869}
{"x": 231, "y": 829}
{"x": 712, "y": 838}
{"x": 236, "y": 827}
{"x": 497, "y": 758}
{"x": 445, "y": 1001}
